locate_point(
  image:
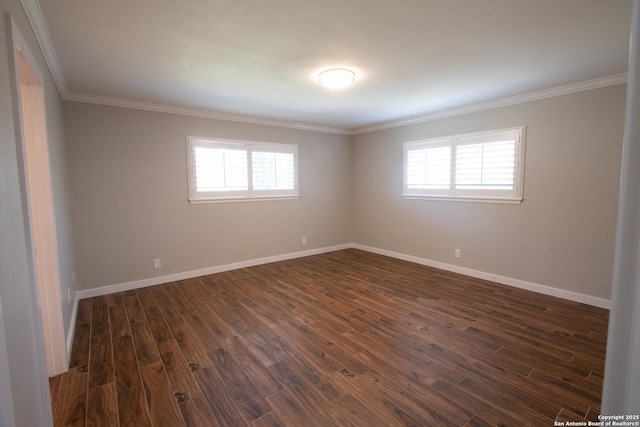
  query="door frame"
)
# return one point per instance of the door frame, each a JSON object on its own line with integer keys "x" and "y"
{"x": 40, "y": 214}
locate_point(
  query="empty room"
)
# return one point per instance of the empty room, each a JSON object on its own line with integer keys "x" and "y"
{"x": 350, "y": 213}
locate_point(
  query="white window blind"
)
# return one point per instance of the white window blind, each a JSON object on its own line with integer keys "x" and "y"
{"x": 481, "y": 166}
{"x": 486, "y": 166}
{"x": 429, "y": 167}
{"x": 222, "y": 170}
{"x": 273, "y": 171}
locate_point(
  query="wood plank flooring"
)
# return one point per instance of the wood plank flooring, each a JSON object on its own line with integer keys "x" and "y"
{"x": 346, "y": 338}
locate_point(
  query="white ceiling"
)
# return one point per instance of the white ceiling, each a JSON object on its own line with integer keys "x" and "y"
{"x": 257, "y": 59}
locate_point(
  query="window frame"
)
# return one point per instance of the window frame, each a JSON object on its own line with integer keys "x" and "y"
{"x": 250, "y": 194}
{"x": 514, "y": 195}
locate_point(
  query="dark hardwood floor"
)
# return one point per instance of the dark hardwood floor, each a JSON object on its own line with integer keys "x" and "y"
{"x": 346, "y": 338}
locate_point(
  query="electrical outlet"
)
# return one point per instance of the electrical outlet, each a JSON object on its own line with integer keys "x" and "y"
{"x": 304, "y": 240}
{"x": 457, "y": 253}
{"x": 157, "y": 263}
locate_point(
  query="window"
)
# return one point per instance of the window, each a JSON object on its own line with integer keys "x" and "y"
{"x": 224, "y": 170}
{"x": 483, "y": 166}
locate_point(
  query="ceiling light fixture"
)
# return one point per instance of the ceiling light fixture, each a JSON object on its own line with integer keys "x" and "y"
{"x": 337, "y": 78}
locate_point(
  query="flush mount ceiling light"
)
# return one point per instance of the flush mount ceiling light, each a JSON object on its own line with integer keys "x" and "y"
{"x": 337, "y": 78}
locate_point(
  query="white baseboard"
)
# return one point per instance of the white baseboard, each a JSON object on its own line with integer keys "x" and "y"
{"x": 542, "y": 289}
{"x": 517, "y": 283}
{"x": 203, "y": 272}
{"x": 72, "y": 327}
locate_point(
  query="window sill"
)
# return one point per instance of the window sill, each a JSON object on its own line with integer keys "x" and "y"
{"x": 466, "y": 199}
{"x": 240, "y": 199}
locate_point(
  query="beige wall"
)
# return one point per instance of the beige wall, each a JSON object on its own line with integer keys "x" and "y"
{"x": 129, "y": 196}
{"x": 128, "y": 173}
{"x": 563, "y": 233}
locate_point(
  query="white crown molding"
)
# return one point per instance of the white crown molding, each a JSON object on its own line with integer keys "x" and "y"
{"x": 497, "y": 103}
{"x": 36, "y": 20}
{"x": 39, "y": 26}
{"x": 210, "y": 114}
{"x": 34, "y": 15}
{"x": 196, "y": 112}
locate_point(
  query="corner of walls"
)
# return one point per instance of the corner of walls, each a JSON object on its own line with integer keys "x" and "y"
{"x": 72, "y": 326}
